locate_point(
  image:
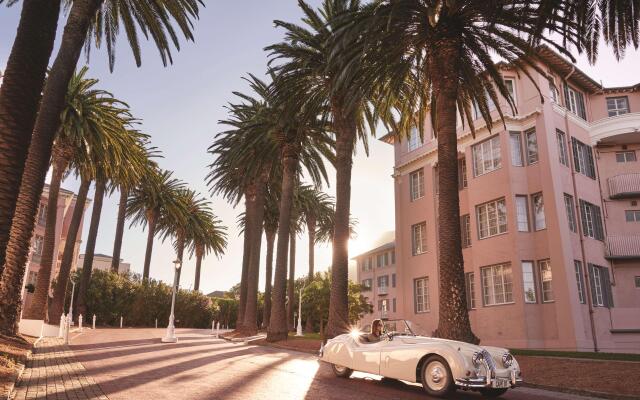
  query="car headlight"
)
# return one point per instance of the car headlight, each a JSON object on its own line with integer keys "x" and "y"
{"x": 477, "y": 358}
{"x": 507, "y": 360}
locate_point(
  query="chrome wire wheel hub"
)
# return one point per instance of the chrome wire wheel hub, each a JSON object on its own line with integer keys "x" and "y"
{"x": 436, "y": 375}
{"x": 339, "y": 368}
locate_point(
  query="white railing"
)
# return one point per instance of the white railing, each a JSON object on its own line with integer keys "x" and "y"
{"x": 383, "y": 290}
{"x": 623, "y": 246}
{"x": 625, "y": 185}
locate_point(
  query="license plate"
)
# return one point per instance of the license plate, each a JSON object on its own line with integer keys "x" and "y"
{"x": 501, "y": 383}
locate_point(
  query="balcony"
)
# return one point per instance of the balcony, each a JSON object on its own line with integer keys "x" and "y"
{"x": 384, "y": 314}
{"x": 624, "y": 186}
{"x": 622, "y": 129}
{"x": 623, "y": 247}
{"x": 383, "y": 290}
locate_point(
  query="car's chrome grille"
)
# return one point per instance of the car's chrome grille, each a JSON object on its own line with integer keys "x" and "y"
{"x": 489, "y": 359}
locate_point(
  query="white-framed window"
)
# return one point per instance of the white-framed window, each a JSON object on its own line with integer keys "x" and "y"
{"x": 492, "y": 218}
{"x": 486, "y": 156}
{"x": 380, "y": 260}
{"x": 579, "y": 280}
{"x": 532, "y": 146}
{"x": 367, "y": 284}
{"x": 522, "y": 213}
{"x": 539, "y": 220}
{"x": 563, "y": 154}
{"x": 626, "y": 156}
{"x": 38, "y": 242}
{"x": 597, "y": 292}
{"x": 421, "y": 295}
{"x": 583, "y": 158}
{"x": 414, "y": 141}
{"x": 497, "y": 286}
{"x": 546, "y": 279}
{"x": 42, "y": 214}
{"x": 591, "y": 220}
{"x": 416, "y": 184}
{"x": 515, "y": 140}
{"x": 462, "y": 174}
{"x": 575, "y": 101}
{"x": 470, "y": 288}
{"x": 529, "y": 282}
{"x": 383, "y": 305}
{"x": 383, "y": 281}
{"x": 419, "y": 238}
{"x": 369, "y": 263}
{"x": 510, "y": 83}
{"x": 465, "y": 230}
{"x": 632, "y": 215}
{"x": 637, "y": 279}
{"x": 570, "y": 209}
{"x": 617, "y": 105}
{"x": 553, "y": 90}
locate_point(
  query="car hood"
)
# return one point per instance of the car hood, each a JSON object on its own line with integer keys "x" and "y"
{"x": 463, "y": 347}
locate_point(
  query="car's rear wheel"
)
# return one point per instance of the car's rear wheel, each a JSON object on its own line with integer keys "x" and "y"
{"x": 340, "y": 371}
{"x": 490, "y": 392}
{"x": 437, "y": 379}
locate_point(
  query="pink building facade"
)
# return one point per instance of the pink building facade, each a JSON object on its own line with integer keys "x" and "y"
{"x": 64, "y": 210}
{"x": 550, "y": 217}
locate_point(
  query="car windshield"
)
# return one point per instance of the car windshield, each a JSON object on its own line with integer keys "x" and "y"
{"x": 398, "y": 327}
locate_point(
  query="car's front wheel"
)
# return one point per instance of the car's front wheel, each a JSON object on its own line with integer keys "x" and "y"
{"x": 340, "y": 371}
{"x": 490, "y": 392}
{"x": 437, "y": 379}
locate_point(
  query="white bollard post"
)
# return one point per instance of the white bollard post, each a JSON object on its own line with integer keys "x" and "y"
{"x": 61, "y": 330}
{"x": 67, "y": 329}
{"x": 94, "y": 322}
{"x": 80, "y": 322}
{"x": 121, "y": 322}
{"x": 213, "y": 328}
{"x": 218, "y": 330}
{"x": 156, "y": 323}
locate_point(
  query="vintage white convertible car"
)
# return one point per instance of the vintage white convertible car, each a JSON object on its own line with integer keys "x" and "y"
{"x": 440, "y": 365}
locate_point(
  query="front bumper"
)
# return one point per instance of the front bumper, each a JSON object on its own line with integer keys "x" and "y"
{"x": 482, "y": 382}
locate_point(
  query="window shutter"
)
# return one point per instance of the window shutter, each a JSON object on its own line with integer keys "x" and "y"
{"x": 581, "y": 109}
{"x": 393, "y": 280}
{"x": 591, "y": 169}
{"x": 583, "y": 217}
{"x": 599, "y": 232}
{"x": 566, "y": 95}
{"x": 576, "y": 159}
{"x": 592, "y": 284}
{"x": 606, "y": 281}
{"x": 415, "y": 297}
{"x": 413, "y": 240}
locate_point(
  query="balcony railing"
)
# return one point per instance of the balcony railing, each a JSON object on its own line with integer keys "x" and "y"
{"x": 384, "y": 314}
{"x": 623, "y": 247}
{"x": 624, "y": 186}
{"x": 382, "y": 290}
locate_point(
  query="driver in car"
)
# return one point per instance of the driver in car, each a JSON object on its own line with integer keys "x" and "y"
{"x": 376, "y": 331}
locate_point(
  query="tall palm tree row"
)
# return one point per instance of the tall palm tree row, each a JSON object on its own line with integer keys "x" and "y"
{"x": 92, "y": 121}
{"x": 271, "y": 218}
{"x": 22, "y": 85}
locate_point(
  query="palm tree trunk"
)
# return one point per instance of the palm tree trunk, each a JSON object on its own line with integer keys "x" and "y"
{"x": 199, "y": 254}
{"x": 87, "y": 265}
{"x": 291, "y": 281}
{"x": 68, "y": 255}
{"x": 36, "y": 166}
{"x": 38, "y": 307}
{"x": 453, "y": 322}
{"x": 152, "y": 219}
{"x": 338, "y": 322}
{"x": 19, "y": 99}
{"x": 278, "y": 322}
{"x": 311, "y": 230}
{"x": 250, "y": 324}
{"x": 179, "y": 254}
{"x": 117, "y": 242}
{"x": 271, "y": 238}
{"x": 246, "y": 254}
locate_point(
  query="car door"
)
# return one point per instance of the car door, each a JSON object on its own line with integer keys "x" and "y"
{"x": 366, "y": 356}
{"x": 398, "y": 361}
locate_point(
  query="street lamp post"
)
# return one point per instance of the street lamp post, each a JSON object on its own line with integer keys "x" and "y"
{"x": 170, "y": 336}
{"x": 69, "y": 315}
{"x": 299, "y": 329}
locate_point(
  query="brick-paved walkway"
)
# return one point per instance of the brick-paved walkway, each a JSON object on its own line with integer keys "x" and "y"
{"x": 52, "y": 372}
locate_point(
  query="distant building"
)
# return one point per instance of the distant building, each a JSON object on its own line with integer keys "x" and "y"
{"x": 376, "y": 272}
{"x": 217, "y": 293}
{"x": 103, "y": 263}
{"x": 66, "y": 205}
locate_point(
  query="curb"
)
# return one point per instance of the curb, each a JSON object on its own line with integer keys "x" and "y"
{"x": 12, "y": 386}
{"x": 279, "y": 346}
{"x": 601, "y": 395}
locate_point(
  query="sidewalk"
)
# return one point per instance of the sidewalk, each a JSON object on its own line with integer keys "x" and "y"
{"x": 52, "y": 372}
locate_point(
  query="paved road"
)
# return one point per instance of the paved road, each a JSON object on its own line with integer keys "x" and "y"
{"x": 133, "y": 364}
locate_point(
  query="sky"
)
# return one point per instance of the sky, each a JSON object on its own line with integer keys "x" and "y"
{"x": 180, "y": 107}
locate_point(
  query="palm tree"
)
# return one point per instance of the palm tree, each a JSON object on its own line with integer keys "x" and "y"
{"x": 213, "y": 237}
{"x": 271, "y": 217}
{"x": 436, "y": 57}
{"x": 19, "y": 98}
{"x": 154, "y": 17}
{"x": 153, "y": 196}
{"x": 92, "y": 119}
{"x": 311, "y": 72}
